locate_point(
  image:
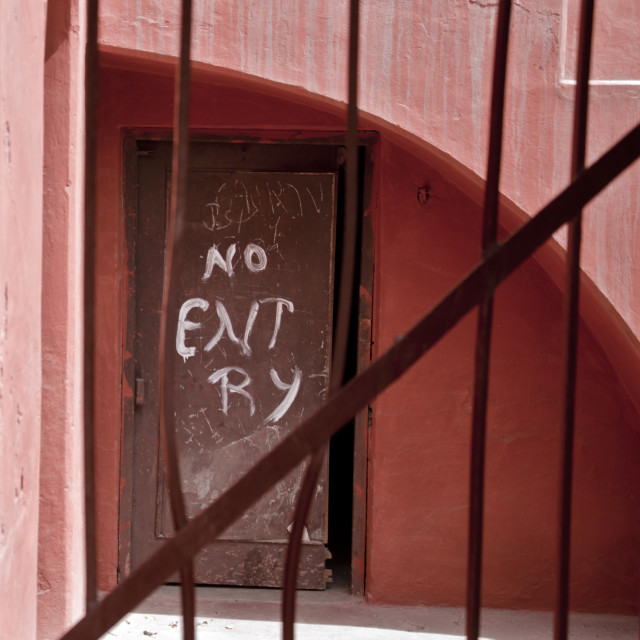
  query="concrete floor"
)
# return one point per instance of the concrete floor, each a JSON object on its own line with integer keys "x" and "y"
{"x": 252, "y": 614}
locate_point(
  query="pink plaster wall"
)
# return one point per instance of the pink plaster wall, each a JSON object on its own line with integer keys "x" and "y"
{"x": 21, "y": 148}
{"x": 426, "y": 68}
{"x": 61, "y": 528}
{"x": 419, "y": 459}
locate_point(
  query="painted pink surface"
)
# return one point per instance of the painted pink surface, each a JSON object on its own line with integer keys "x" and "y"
{"x": 21, "y": 56}
{"x": 416, "y": 545}
{"x": 61, "y": 523}
{"x": 419, "y": 455}
{"x": 426, "y": 68}
{"x": 614, "y": 60}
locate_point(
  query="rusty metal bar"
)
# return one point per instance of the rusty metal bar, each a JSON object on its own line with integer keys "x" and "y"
{"x": 350, "y": 229}
{"x": 168, "y": 315}
{"x": 90, "y": 164}
{"x": 344, "y": 404}
{"x": 341, "y": 332}
{"x": 571, "y": 317}
{"x": 483, "y": 335}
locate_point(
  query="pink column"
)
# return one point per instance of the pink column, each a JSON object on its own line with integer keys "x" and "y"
{"x": 61, "y": 538}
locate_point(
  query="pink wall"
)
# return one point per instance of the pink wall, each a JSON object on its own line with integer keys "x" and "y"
{"x": 421, "y": 433}
{"x": 426, "y": 68}
{"x": 21, "y": 56}
{"x": 61, "y": 528}
{"x": 416, "y": 545}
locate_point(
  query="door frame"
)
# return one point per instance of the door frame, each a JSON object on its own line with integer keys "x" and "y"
{"x": 367, "y": 145}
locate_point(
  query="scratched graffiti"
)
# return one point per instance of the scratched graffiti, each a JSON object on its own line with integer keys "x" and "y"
{"x": 253, "y": 333}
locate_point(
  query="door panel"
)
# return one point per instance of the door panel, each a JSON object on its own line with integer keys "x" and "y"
{"x": 253, "y": 343}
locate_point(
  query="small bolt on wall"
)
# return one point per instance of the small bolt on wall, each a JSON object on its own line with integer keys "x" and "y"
{"x": 423, "y": 195}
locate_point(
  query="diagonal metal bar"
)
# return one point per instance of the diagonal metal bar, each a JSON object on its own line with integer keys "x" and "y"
{"x": 483, "y": 335}
{"x": 343, "y": 405}
{"x": 341, "y": 333}
{"x": 571, "y": 315}
{"x": 168, "y": 315}
{"x": 90, "y": 164}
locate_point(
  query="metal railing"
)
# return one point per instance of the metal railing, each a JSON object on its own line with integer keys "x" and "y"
{"x": 310, "y": 438}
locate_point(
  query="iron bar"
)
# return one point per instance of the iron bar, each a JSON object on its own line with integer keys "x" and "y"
{"x": 341, "y": 332}
{"x": 571, "y": 317}
{"x": 313, "y": 433}
{"x": 483, "y": 336}
{"x": 168, "y": 315}
{"x": 90, "y": 164}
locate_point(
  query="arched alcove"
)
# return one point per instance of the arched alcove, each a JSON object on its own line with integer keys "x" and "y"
{"x": 416, "y": 487}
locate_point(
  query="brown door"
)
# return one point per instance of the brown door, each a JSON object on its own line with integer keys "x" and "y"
{"x": 252, "y": 342}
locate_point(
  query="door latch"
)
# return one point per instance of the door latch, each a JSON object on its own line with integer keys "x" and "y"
{"x": 139, "y": 392}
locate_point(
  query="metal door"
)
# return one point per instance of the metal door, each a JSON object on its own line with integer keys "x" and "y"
{"x": 252, "y": 342}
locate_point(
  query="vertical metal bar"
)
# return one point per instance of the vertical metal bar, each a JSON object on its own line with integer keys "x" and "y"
{"x": 483, "y": 336}
{"x": 341, "y": 333}
{"x": 168, "y": 316}
{"x": 571, "y": 316}
{"x": 90, "y": 162}
{"x": 350, "y": 231}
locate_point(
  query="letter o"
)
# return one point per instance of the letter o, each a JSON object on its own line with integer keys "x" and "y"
{"x": 255, "y": 258}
